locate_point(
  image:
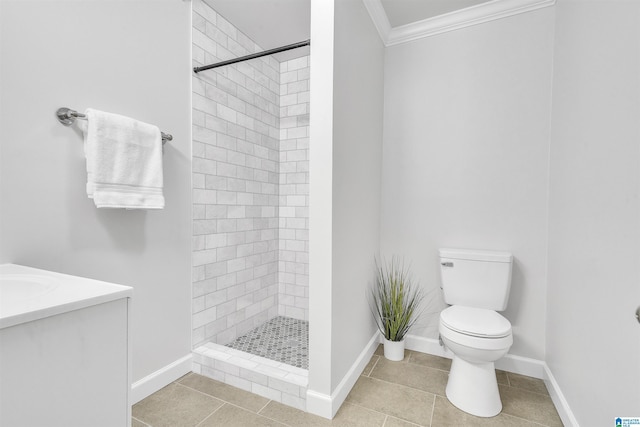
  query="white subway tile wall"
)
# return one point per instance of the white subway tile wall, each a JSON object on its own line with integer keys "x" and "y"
{"x": 250, "y": 184}
{"x": 293, "y": 242}
{"x": 235, "y": 183}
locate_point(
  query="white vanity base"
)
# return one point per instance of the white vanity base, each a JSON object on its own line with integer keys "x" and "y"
{"x": 68, "y": 369}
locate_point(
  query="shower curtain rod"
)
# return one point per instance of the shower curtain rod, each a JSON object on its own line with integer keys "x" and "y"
{"x": 253, "y": 55}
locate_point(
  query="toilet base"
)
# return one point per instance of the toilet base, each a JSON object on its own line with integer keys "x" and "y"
{"x": 472, "y": 388}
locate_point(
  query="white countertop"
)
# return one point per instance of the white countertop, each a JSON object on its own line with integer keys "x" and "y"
{"x": 30, "y": 294}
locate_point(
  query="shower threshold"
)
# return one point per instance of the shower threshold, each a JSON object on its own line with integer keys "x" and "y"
{"x": 283, "y": 339}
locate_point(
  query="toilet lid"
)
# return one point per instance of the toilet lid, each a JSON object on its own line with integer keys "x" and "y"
{"x": 475, "y": 321}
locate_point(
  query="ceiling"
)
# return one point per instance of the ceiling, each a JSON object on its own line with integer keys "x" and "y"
{"x": 402, "y": 12}
{"x": 274, "y": 23}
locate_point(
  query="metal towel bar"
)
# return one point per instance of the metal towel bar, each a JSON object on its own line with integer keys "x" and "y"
{"x": 67, "y": 116}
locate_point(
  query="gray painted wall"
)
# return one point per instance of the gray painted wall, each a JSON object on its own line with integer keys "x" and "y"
{"x": 117, "y": 57}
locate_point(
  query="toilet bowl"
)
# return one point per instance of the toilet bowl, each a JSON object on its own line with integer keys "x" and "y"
{"x": 476, "y": 285}
{"x": 477, "y": 337}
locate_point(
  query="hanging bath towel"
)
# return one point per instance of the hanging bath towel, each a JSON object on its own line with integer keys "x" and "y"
{"x": 124, "y": 162}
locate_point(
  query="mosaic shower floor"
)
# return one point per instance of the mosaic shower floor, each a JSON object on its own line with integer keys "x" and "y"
{"x": 282, "y": 339}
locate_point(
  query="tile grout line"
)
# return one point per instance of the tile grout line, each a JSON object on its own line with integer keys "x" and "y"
{"x": 226, "y": 402}
{"x": 525, "y": 390}
{"x": 524, "y": 419}
{"x": 243, "y": 409}
{"x": 209, "y": 416}
{"x": 265, "y": 405}
{"x": 373, "y": 367}
{"x": 408, "y": 386}
{"x": 386, "y": 415}
{"x": 140, "y": 421}
{"x": 277, "y": 421}
{"x": 430, "y": 367}
{"x": 203, "y": 393}
{"x": 433, "y": 410}
{"x": 273, "y": 419}
{"x": 435, "y": 369}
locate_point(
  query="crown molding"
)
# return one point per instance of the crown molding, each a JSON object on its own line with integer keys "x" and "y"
{"x": 484, "y": 12}
{"x": 379, "y": 18}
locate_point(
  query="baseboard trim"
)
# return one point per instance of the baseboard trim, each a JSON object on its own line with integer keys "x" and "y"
{"x": 319, "y": 404}
{"x": 510, "y": 362}
{"x": 160, "y": 378}
{"x": 522, "y": 365}
{"x": 327, "y": 406}
{"x": 561, "y": 404}
{"x": 426, "y": 345}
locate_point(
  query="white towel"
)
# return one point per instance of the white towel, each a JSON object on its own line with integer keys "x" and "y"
{"x": 124, "y": 162}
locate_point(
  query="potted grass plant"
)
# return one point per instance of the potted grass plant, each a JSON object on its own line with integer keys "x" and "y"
{"x": 396, "y": 305}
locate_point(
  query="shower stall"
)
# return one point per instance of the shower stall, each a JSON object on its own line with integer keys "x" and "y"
{"x": 250, "y": 307}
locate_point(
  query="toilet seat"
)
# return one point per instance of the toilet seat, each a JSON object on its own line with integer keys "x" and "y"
{"x": 473, "y": 342}
{"x": 475, "y": 322}
{"x": 475, "y": 328}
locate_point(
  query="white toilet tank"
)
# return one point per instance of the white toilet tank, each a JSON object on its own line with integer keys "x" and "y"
{"x": 476, "y": 278}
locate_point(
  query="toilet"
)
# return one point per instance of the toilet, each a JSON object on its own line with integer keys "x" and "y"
{"x": 476, "y": 285}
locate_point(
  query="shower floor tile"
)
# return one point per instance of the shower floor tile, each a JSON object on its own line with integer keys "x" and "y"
{"x": 282, "y": 339}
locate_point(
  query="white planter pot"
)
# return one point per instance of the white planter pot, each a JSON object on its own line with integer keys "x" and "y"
{"x": 394, "y": 350}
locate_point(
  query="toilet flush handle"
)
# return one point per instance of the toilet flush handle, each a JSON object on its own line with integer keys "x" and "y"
{"x": 446, "y": 264}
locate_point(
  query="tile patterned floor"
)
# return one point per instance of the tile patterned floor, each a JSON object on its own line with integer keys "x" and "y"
{"x": 282, "y": 339}
{"x": 388, "y": 394}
